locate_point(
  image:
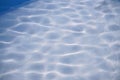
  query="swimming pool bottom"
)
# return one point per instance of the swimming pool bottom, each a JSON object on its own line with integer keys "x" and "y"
{"x": 61, "y": 40}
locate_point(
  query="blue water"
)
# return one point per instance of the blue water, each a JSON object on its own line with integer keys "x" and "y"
{"x": 59, "y": 40}
{"x": 8, "y": 5}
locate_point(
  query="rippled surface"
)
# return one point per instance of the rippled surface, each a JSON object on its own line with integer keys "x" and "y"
{"x": 61, "y": 40}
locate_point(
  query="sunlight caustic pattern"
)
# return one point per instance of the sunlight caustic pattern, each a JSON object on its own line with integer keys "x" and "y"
{"x": 61, "y": 40}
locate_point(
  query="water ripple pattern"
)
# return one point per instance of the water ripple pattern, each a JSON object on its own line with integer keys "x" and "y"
{"x": 61, "y": 40}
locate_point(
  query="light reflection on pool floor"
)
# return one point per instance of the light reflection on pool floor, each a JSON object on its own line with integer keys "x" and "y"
{"x": 61, "y": 40}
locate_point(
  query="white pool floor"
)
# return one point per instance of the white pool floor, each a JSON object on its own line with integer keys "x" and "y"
{"x": 61, "y": 40}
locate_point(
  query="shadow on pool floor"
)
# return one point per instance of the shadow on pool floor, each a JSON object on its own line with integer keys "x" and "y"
{"x": 9, "y": 5}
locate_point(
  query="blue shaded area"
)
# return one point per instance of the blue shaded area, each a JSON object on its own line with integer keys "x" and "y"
{"x": 66, "y": 70}
{"x": 7, "y": 5}
{"x": 114, "y": 27}
{"x": 37, "y": 67}
{"x": 35, "y": 76}
{"x": 50, "y": 76}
